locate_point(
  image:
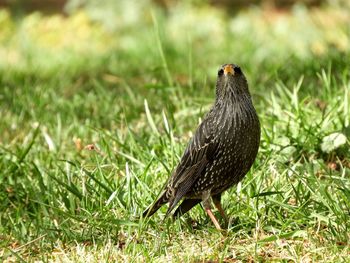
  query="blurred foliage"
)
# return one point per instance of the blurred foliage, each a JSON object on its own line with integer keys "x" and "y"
{"x": 230, "y": 6}
{"x": 48, "y": 42}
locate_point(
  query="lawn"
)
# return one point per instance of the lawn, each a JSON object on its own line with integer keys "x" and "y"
{"x": 97, "y": 107}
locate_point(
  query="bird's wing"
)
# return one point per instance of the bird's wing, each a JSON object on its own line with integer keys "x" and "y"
{"x": 199, "y": 152}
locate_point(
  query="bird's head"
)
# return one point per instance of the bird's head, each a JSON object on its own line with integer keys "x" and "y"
{"x": 231, "y": 82}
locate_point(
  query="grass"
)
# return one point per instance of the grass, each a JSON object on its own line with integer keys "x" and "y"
{"x": 90, "y": 135}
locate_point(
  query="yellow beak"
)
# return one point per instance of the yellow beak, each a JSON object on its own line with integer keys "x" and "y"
{"x": 229, "y": 69}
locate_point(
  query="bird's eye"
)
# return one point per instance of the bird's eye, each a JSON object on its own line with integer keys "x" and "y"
{"x": 220, "y": 72}
{"x": 237, "y": 69}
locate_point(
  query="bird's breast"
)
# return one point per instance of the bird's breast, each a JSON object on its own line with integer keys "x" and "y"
{"x": 238, "y": 139}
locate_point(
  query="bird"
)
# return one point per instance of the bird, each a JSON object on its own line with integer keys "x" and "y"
{"x": 219, "y": 154}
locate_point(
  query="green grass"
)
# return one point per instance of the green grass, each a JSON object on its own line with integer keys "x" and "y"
{"x": 138, "y": 106}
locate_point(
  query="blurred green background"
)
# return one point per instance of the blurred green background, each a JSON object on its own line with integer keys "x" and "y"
{"x": 267, "y": 30}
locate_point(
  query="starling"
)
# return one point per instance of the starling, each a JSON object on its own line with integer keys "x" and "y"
{"x": 219, "y": 154}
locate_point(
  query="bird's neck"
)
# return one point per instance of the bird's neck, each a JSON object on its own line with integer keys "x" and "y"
{"x": 236, "y": 98}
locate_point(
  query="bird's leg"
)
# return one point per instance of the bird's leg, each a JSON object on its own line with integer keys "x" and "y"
{"x": 207, "y": 208}
{"x": 217, "y": 203}
{"x": 213, "y": 218}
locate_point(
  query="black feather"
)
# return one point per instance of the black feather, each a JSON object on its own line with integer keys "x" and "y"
{"x": 185, "y": 206}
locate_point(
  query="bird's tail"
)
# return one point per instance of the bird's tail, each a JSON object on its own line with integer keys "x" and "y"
{"x": 163, "y": 199}
{"x": 185, "y": 206}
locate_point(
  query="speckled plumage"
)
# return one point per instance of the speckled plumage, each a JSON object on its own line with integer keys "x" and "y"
{"x": 221, "y": 151}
